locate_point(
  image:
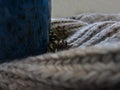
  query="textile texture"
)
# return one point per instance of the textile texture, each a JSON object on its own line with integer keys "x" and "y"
{"x": 83, "y": 54}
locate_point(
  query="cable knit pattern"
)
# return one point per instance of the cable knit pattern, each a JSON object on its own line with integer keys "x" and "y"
{"x": 90, "y": 63}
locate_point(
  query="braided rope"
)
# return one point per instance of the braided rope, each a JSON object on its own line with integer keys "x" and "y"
{"x": 95, "y": 67}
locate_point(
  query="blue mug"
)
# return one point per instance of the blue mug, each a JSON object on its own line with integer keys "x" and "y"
{"x": 24, "y": 28}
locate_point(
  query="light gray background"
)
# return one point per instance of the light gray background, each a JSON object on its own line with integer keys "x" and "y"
{"x": 64, "y": 8}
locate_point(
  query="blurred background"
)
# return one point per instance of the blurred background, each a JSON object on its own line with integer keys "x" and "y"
{"x": 65, "y": 8}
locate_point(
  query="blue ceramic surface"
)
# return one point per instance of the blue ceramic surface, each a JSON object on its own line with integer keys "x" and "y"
{"x": 24, "y": 28}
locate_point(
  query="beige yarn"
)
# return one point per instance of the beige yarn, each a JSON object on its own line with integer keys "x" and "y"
{"x": 91, "y": 63}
